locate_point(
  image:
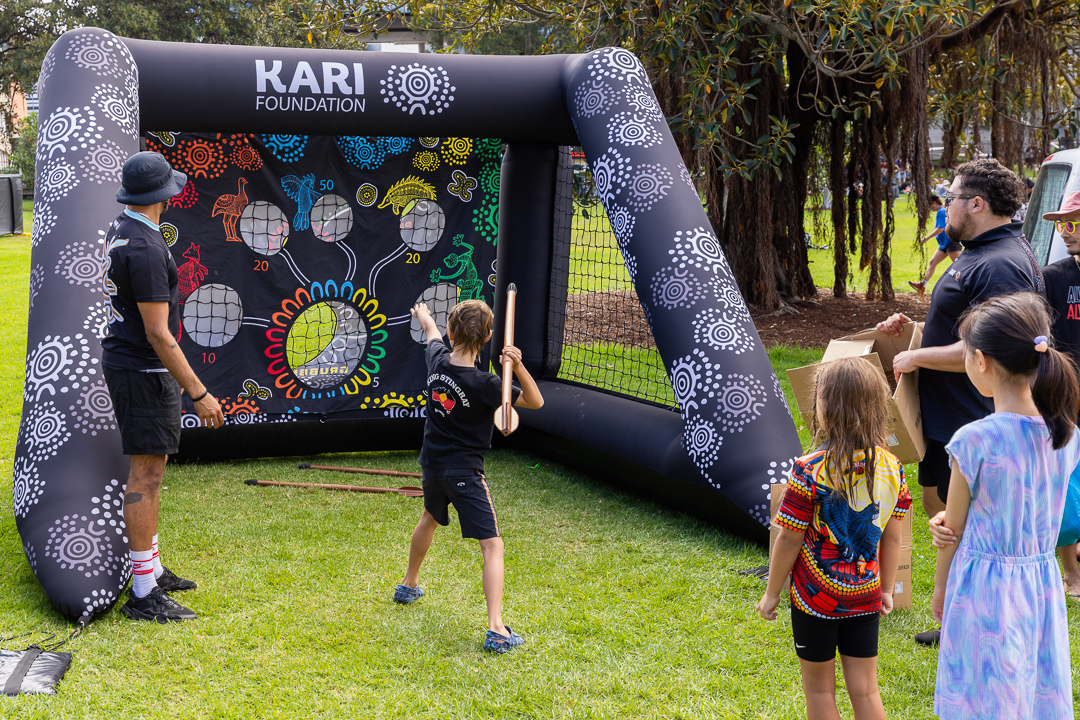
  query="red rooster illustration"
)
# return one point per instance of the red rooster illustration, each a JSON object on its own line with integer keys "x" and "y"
{"x": 191, "y": 273}
{"x": 230, "y": 206}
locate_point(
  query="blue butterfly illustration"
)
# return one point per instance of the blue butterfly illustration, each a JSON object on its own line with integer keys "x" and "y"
{"x": 302, "y": 190}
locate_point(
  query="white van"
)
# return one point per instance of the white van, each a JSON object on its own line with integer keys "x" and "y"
{"x": 1058, "y": 176}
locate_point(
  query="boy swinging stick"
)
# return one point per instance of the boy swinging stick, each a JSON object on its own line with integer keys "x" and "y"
{"x": 461, "y": 403}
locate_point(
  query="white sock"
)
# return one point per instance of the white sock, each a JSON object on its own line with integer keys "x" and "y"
{"x": 142, "y": 572}
{"x": 158, "y": 567}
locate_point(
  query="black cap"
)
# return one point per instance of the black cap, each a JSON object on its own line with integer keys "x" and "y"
{"x": 147, "y": 179}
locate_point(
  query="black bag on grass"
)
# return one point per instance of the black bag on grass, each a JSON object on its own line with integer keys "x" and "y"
{"x": 33, "y": 671}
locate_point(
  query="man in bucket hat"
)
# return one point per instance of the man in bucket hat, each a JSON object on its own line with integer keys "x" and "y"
{"x": 145, "y": 371}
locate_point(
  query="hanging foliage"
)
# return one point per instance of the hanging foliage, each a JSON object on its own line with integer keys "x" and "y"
{"x": 774, "y": 102}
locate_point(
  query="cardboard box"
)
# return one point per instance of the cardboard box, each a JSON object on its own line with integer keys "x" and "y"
{"x": 905, "y": 432}
{"x": 902, "y": 584}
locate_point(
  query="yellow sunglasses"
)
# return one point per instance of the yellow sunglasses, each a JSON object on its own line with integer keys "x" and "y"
{"x": 1067, "y": 227}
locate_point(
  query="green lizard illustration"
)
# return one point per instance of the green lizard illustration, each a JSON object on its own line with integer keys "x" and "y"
{"x": 468, "y": 285}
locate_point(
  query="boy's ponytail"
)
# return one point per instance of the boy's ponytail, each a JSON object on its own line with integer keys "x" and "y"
{"x": 1011, "y": 330}
{"x": 1056, "y": 394}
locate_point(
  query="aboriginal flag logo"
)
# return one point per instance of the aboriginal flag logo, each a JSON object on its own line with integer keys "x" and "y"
{"x": 441, "y": 398}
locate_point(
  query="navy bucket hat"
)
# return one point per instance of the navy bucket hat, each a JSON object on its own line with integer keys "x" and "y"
{"x": 148, "y": 179}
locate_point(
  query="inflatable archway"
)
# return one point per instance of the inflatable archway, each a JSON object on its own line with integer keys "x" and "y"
{"x": 312, "y": 172}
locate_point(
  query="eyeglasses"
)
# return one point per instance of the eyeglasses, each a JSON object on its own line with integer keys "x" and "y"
{"x": 1067, "y": 227}
{"x": 949, "y": 198}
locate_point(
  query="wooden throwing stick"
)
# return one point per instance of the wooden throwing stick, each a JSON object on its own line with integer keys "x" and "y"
{"x": 406, "y": 491}
{"x": 506, "y": 417}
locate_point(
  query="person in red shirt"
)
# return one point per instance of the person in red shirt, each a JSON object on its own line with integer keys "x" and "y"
{"x": 840, "y": 539}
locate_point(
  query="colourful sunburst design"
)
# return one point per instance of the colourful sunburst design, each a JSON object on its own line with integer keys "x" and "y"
{"x": 305, "y": 313}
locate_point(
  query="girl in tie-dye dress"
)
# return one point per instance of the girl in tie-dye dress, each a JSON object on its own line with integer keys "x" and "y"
{"x": 1004, "y": 649}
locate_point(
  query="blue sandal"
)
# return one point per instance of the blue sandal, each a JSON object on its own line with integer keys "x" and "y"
{"x": 404, "y": 594}
{"x": 502, "y": 643}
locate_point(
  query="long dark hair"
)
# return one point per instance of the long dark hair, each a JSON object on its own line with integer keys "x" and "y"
{"x": 1004, "y": 328}
{"x": 852, "y": 397}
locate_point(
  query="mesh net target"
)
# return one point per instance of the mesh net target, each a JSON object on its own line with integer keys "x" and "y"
{"x": 606, "y": 340}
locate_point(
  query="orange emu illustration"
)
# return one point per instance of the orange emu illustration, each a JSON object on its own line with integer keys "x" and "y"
{"x": 231, "y": 206}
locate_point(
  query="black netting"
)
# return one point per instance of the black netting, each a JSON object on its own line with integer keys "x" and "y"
{"x": 606, "y": 340}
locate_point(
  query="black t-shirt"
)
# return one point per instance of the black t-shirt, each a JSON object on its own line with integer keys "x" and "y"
{"x": 1063, "y": 294}
{"x": 138, "y": 268}
{"x": 997, "y": 262}
{"x": 461, "y": 403}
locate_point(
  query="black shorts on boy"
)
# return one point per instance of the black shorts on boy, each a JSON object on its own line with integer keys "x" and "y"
{"x": 467, "y": 490}
{"x": 818, "y": 639}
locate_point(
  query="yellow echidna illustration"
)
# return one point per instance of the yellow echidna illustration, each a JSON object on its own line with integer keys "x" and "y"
{"x": 166, "y": 137}
{"x": 405, "y": 191}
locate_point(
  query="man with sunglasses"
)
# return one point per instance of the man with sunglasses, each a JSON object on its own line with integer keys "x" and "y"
{"x": 997, "y": 260}
{"x": 1063, "y": 294}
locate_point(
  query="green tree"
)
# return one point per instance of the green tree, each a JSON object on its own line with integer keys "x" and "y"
{"x": 24, "y": 149}
{"x": 766, "y": 96}
{"x": 28, "y": 28}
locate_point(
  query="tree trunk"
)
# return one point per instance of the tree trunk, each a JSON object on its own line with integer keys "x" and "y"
{"x": 759, "y": 221}
{"x": 795, "y": 262}
{"x": 839, "y": 185}
{"x": 954, "y": 131}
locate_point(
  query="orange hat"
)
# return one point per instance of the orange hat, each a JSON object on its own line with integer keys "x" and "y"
{"x": 1070, "y": 206}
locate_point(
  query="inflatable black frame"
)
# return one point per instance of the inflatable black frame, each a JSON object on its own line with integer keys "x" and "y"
{"x": 717, "y": 456}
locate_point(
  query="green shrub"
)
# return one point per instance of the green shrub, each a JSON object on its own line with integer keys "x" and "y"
{"x": 24, "y": 148}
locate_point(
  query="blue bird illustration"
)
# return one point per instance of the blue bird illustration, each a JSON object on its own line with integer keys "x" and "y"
{"x": 856, "y": 534}
{"x": 302, "y": 190}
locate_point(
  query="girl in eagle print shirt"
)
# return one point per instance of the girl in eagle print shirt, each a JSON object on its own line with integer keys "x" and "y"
{"x": 840, "y": 539}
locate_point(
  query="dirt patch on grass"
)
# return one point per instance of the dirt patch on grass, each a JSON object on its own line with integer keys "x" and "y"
{"x": 617, "y": 317}
{"x": 828, "y": 317}
{"x": 611, "y": 317}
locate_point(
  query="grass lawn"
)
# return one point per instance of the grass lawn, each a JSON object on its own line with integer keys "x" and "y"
{"x": 28, "y": 215}
{"x": 634, "y": 371}
{"x": 908, "y": 257}
{"x": 629, "y": 609}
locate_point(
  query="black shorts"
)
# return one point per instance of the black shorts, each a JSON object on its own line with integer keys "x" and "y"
{"x": 950, "y": 247}
{"x": 147, "y": 408}
{"x": 934, "y": 470}
{"x": 467, "y": 490}
{"x": 817, "y": 639}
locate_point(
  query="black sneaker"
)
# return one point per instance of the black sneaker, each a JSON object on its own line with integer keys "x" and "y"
{"x": 171, "y": 582}
{"x": 930, "y": 638}
{"x": 156, "y": 606}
